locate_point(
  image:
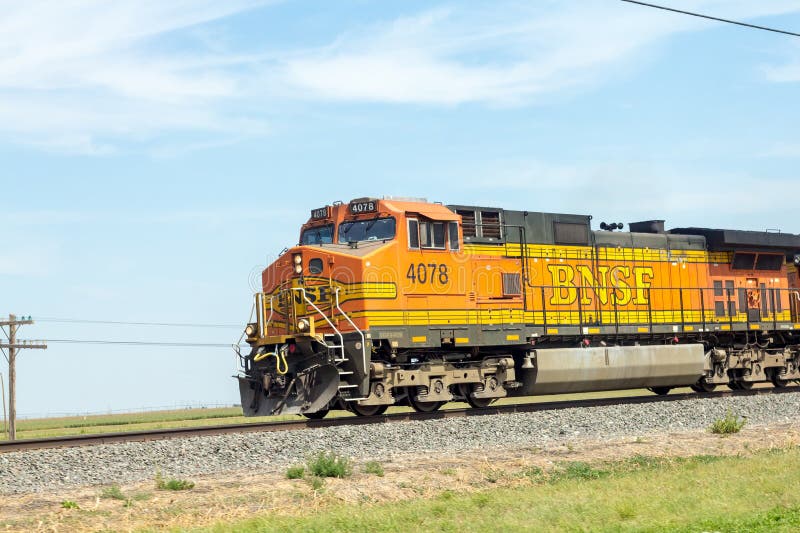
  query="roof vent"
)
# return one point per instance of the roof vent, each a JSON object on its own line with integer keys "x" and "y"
{"x": 647, "y": 226}
{"x": 406, "y": 199}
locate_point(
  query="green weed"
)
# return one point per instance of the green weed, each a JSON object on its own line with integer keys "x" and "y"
{"x": 172, "y": 484}
{"x": 374, "y": 467}
{"x": 329, "y": 464}
{"x": 728, "y": 425}
{"x": 113, "y": 492}
{"x": 295, "y": 472}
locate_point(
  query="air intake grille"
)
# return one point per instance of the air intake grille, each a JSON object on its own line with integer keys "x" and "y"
{"x": 467, "y": 222}
{"x": 512, "y": 285}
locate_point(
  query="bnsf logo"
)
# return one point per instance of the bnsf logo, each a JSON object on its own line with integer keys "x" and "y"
{"x": 319, "y": 295}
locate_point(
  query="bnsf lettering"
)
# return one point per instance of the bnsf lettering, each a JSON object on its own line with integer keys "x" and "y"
{"x": 362, "y": 207}
{"x": 619, "y": 285}
{"x": 315, "y": 293}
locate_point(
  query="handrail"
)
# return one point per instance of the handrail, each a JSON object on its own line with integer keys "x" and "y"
{"x": 318, "y": 310}
{"x": 363, "y": 341}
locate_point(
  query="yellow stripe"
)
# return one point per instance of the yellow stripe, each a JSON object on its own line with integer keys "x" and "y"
{"x": 462, "y": 340}
{"x": 755, "y": 326}
{"x": 512, "y": 337}
{"x": 544, "y": 251}
{"x": 419, "y": 339}
{"x": 552, "y": 331}
{"x": 643, "y": 330}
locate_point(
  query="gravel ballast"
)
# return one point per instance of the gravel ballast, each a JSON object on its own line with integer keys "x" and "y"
{"x": 43, "y": 470}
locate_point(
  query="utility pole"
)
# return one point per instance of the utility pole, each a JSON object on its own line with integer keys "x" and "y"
{"x": 3, "y": 394}
{"x": 13, "y": 346}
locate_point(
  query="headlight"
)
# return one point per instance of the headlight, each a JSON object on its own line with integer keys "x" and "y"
{"x": 298, "y": 258}
{"x": 250, "y": 330}
{"x": 303, "y": 324}
{"x": 298, "y": 268}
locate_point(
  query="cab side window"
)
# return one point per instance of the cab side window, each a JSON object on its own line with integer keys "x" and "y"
{"x": 453, "y": 235}
{"x": 413, "y": 234}
{"x": 431, "y": 234}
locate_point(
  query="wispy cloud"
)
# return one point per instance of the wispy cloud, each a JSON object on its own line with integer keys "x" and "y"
{"x": 509, "y": 54}
{"x": 631, "y": 190}
{"x": 210, "y": 216}
{"x": 76, "y": 75}
{"x": 782, "y": 150}
{"x": 90, "y": 76}
{"x": 28, "y": 260}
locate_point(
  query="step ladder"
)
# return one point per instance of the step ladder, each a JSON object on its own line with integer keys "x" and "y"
{"x": 334, "y": 343}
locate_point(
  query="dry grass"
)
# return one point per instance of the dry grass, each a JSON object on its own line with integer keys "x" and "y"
{"x": 243, "y": 495}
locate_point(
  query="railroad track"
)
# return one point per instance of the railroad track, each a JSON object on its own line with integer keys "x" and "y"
{"x": 160, "y": 434}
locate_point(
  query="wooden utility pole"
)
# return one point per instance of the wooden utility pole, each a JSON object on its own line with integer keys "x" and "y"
{"x": 3, "y": 394}
{"x": 13, "y": 346}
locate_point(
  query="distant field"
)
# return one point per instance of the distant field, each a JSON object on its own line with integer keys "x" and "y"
{"x": 79, "y": 425}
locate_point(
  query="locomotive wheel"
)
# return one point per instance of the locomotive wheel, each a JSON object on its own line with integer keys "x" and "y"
{"x": 734, "y": 385}
{"x": 319, "y": 415}
{"x": 423, "y": 407}
{"x": 703, "y": 386}
{"x": 661, "y": 391}
{"x": 477, "y": 403}
{"x": 779, "y": 383}
{"x": 368, "y": 410}
{"x": 745, "y": 385}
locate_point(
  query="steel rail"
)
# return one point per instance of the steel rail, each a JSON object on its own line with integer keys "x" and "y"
{"x": 291, "y": 425}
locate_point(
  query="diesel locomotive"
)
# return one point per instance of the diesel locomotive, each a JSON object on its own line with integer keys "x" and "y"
{"x": 403, "y": 301}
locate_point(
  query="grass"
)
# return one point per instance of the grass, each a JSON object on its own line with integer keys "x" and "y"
{"x": 703, "y": 493}
{"x": 172, "y": 483}
{"x": 113, "y": 492}
{"x": 295, "y": 472}
{"x": 69, "y": 504}
{"x": 374, "y": 467}
{"x": 330, "y": 464}
{"x": 728, "y": 425}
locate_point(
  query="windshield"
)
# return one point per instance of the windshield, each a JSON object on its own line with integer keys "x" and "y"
{"x": 317, "y": 235}
{"x": 376, "y": 229}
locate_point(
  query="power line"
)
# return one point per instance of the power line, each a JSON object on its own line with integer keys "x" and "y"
{"x": 145, "y": 343}
{"x": 122, "y": 323}
{"x": 728, "y": 21}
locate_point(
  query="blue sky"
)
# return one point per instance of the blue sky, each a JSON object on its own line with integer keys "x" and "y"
{"x": 155, "y": 155}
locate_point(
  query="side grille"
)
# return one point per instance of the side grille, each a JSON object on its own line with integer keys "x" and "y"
{"x": 512, "y": 284}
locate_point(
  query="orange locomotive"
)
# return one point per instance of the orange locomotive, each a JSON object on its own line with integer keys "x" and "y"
{"x": 389, "y": 301}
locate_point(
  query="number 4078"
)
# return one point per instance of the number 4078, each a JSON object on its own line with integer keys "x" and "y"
{"x": 427, "y": 273}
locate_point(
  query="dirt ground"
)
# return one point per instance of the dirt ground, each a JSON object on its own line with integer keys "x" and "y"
{"x": 241, "y": 495}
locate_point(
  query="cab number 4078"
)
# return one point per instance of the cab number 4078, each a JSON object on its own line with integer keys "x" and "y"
{"x": 427, "y": 273}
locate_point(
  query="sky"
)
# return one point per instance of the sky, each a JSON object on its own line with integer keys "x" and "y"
{"x": 155, "y": 156}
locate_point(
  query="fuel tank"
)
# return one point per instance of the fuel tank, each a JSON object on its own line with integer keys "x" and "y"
{"x": 566, "y": 370}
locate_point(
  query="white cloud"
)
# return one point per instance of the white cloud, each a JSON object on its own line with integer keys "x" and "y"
{"x": 509, "y": 54}
{"x": 782, "y": 150}
{"x": 77, "y": 75}
{"x": 88, "y": 76}
{"x": 27, "y": 260}
{"x": 785, "y": 73}
{"x": 635, "y": 190}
